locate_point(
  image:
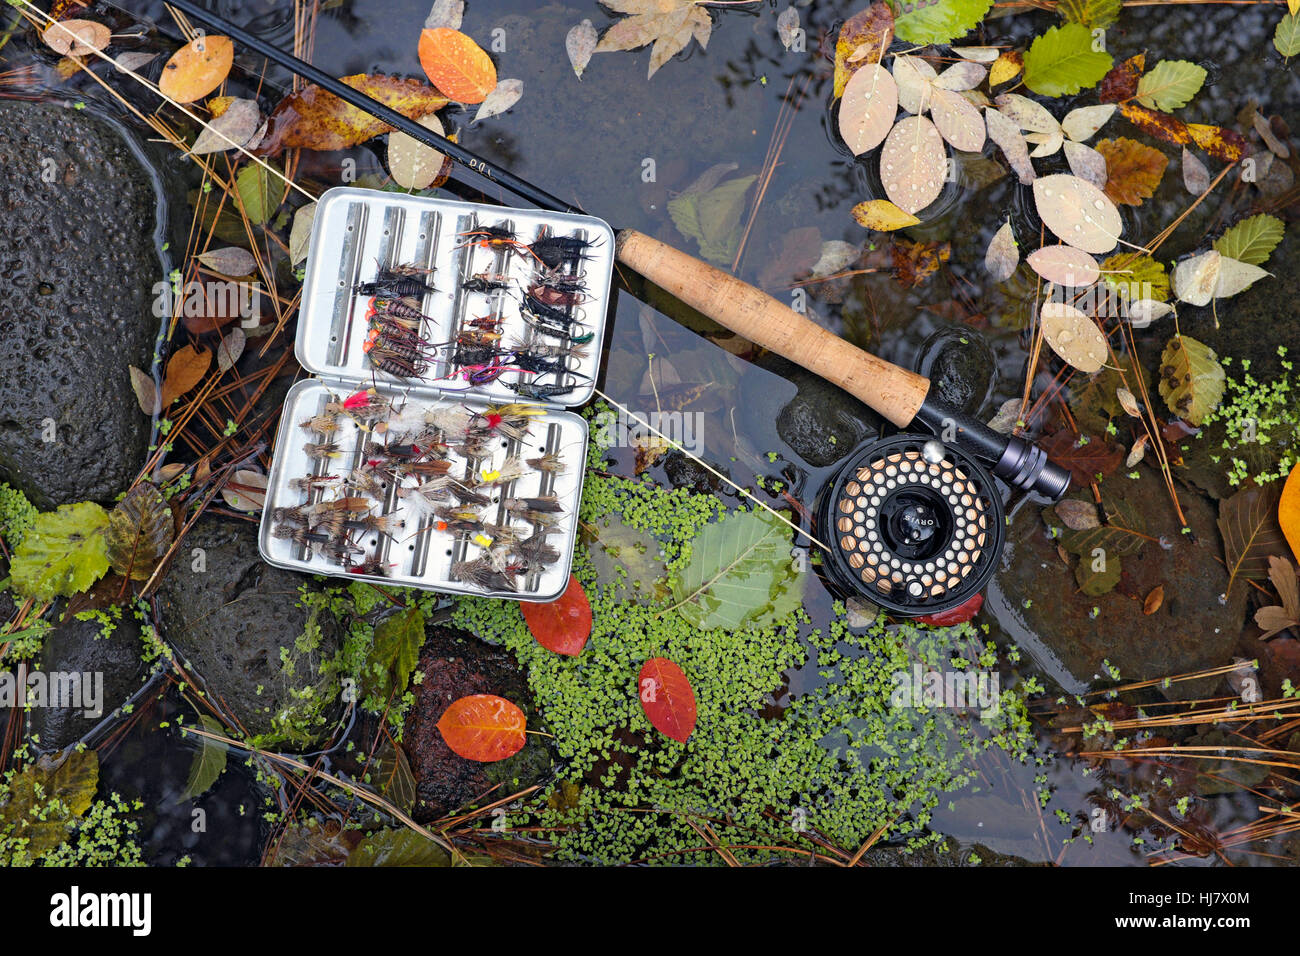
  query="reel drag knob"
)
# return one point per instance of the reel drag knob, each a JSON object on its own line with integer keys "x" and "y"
{"x": 916, "y": 525}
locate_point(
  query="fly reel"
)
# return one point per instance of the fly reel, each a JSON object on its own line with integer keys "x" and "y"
{"x": 913, "y": 524}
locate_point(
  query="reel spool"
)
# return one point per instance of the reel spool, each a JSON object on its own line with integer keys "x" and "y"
{"x": 914, "y": 525}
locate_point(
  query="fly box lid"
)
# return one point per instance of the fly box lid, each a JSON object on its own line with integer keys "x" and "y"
{"x": 430, "y": 449}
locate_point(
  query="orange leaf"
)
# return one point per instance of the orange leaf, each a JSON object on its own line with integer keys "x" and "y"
{"x": 197, "y": 68}
{"x": 184, "y": 369}
{"x": 667, "y": 698}
{"x": 1133, "y": 170}
{"x": 457, "y": 65}
{"x": 562, "y": 625}
{"x": 483, "y": 727}
{"x": 1288, "y": 511}
{"x": 315, "y": 119}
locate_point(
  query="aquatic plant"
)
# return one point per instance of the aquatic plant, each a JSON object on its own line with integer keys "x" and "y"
{"x": 1262, "y": 425}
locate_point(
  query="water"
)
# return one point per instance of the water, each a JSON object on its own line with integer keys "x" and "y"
{"x": 592, "y": 141}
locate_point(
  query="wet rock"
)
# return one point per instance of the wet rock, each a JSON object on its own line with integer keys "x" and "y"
{"x": 79, "y": 647}
{"x": 949, "y": 853}
{"x": 231, "y": 621}
{"x": 77, "y": 270}
{"x": 685, "y": 472}
{"x": 822, "y": 423}
{"x": 456, "y": 665}
{"x": 961, "y": 368}
{"x": 1037, "y": 599}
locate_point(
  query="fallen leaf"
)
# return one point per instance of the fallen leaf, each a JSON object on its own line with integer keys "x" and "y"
{"x": 1026, "y": 114}
{"x": 146, "y": 393}
{"x": 300, "y": 233}
{"x": 1252, "y": 240}
{"x": 712, "y": 217}
{"x": 983, "y": 54}
{"x": 862, "y": 40}
{"x": 1082, "y": 124}
{"x": 236, "y": 125}
{"x": 562, "y": 625}
{"x": 231, "y": 348}
{"x": 1128, "y": 402}
{"x": 76, "y": 37}
{"x": 256, "y": 194}
{"x": 184, "y": 370}
{"x": 483, "y": 727}
{"x": 1276, "y": 618}
{"x": 1090, "y": 13}
{"x": 580, "y": 44}
{"x": 960, "y": 614}
{"x": 913, "y": 76}
{"x": 1223, "y": 144}
{"x": 1170, "y": 85}
{"x": 1265, "y": 130}
{"x": 412, "y": 164}
{"x": 506, "y": 95}
{"x": 913, "y": 164}
{"x": 914, "y": 262}
{"x": 140, "y": 531}
{"x": 1133, "y": 170}
{"x": 456, "y": 65}
{"x": 961, "y": 76}
{"x": 132, "y": 62}
{"x": 315, "y": 119}
{"x": 1086, "y": 163}
{"x": 1154, "y": 600}
{"x": 229, "y": 261}
{"x": 1121, "y": 82}
{"x": 667, "y": 698}
{"x": 1064, "y": 60}
{"x": 787, "y": 26}
{"x": 246, "y": 490}
{"x": 197, "y": 68}
{"x": 1064, "y": 265}
{"x": 445, "y": 13}
{"x": 1286, "y": 38}
{"x": 1136, "y": 453}
{"x": 668, "y": 24}
{"x": 1073, "y": 336}
{"x": 1085, "y": 459}
{"x": 1007, "y": 135}
{"x": 868, "y": 108}
{"x": 1078, "y": 212}
{"x": 882, "y": 215}
{"x": 1191, "y": 379}
{"x": 1248, "y": 525}
{"x": 1007, "y": 67}
{"x": 958, "y": 122}
{"x": 1078, "y": 515}
{"x": 1142, "y": 312}
{"x": 1196, "y": 178}
{"x": 1002, "y": 256}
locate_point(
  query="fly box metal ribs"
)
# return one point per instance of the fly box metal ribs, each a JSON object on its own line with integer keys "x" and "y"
{"x": 431, "y": 448}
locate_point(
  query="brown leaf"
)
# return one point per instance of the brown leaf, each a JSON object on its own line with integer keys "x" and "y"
{"x": 1133, "y": 170}
{"x": 315, "y": 119}
{"x": 1283, "y": 575}
{"x": 1154, "y": 600}
{"x": 1078, "y": 515}
{"x": 184, "y": 369}
{"x": 864, "y": 37}
{"x": 146, "y": 393}
{"x": 914, "y": 262}
{"x": 1223, "y": 144}
{"x": 1251, "y": 534}
{"x": 1154, "y": 123}
{"x": 1086, "y": 461}
{"x": 1121, "y": 83}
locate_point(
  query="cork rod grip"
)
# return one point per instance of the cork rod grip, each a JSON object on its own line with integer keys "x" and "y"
{"x": 894, "y": 392}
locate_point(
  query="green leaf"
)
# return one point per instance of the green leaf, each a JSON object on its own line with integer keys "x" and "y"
{"x": 1125, "y": 270}
{"x": 208, "y": 763}
{"x": 712, "y": 217}
{"x": 1062, "y": 61}
{"x": 1287, "y": 36}
{"x": 140, "y": 530}
{"x": 1191, "y": 378}
{"x": 1090, "y": 13}
{"x": 46, "y": 799}
{"x": 1122, "y": 534}
{"x": 390, "y": 773}
{"x": 398, "y": 848}
{"x": 63, "y": 554}
{"x": 936, "y": 21}
{"x": 1251, "y": 240}
{"x": 1170, "y": 85}
{"x": 740, "y": 572}
{"x": 394, "y": 653}
{"x": 254, "y": 186}
{"x": 1096, "y": 583}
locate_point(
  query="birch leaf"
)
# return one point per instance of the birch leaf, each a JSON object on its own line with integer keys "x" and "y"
{"x": 1191, "y": 379}
{"x": 1073, "y": 336}
{"x": 1082, "y": 124}
{"x": 1086, "y": 163}
{"x": 1170, "y": 85}
{"x": 1063, "y": 61}
{"x": 913, "y": 164}
{"x": 868, "y": 108}
{"x": 1252, "y": 240}
{"x": 1002, "y": 256}
{"x": 1078, "y": 213}
{"x": 506, "y": 95}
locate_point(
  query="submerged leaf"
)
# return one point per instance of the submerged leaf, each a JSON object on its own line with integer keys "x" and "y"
{"x": 580, "y": 44}
{"x": 76, "y": 37}
{"x": 1250, "y": 531}
{"x": 208, "y": 764}
{"x": 398, "y": 847}
{"x": 46, "y": 799}
{"x": 1002, "y": 256}
{"x": 140, "y": 531}
{"x": 393, "y": 654}
{"x": 1196, "y": 178}
{"x": 712, "y": 217}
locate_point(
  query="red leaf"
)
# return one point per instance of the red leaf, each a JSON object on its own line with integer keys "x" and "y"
{"x": 958, "y": 615}
{"x": 562, "y": 625}
{"x": 1121, "y": 83}
{"x": 1094, "y": 457}
{"x": 483, "y": 727}
{"x": 667, "y": 698}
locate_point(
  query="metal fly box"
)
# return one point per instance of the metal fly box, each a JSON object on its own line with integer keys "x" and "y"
{"x": 430, "y": 449}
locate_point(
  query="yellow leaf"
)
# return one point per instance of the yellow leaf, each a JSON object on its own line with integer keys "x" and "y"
{"x": 882, "y": 215}
{"x": 1008, "y": 67}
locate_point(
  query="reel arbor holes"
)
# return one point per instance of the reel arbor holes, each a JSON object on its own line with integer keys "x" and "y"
{"x": 916, "y": 526}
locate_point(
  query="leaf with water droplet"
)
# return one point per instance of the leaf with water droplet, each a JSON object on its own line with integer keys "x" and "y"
{"x": 1073, "y": 336}
{"x": 868, "y": 108}
{"x": 913, "y": 164}
{"x": 1064, "y": 265}
{"x": 1078, "y": 212}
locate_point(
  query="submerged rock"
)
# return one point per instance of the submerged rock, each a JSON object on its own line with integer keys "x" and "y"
{"x": 77, "y": 271}
{"x": 961, "y": 368}
{"x": 79, "y": 647}
{"x": 239, "y": 623}
{"x": 1037, "y": 600}
{"x": 822, "y": 423}
{"x": 454, "y": 666}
